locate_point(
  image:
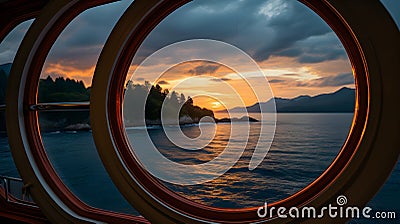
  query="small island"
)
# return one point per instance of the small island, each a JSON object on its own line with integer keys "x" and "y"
{"x": 156, "y": 97}
{"x": 242, "y": 119}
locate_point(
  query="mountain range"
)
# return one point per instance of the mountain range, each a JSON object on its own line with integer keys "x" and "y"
{"x": 340, "y": 101}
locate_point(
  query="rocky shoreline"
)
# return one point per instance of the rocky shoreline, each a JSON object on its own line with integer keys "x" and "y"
{"x": 182, "y": 121}
{"x": 242, "y": 119}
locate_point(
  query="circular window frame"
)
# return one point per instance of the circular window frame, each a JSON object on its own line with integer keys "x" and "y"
{"x": 55, "y": 200}
{"x": 358, "y": 162}
{"x": 13, "y": 13}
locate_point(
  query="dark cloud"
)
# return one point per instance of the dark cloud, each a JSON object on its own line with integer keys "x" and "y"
{"x": 204, "y": 69}
{"x": 291, "y": 80}
{"x": 329, "y": 81}
{"x": 291, "y": 75}
{"x": 320, "y": 48}
{"x": 80, "y": 44}
{"x": 221, "y": 79}
{"x": 260, "y": 28}
{"x": 276, "y": 81}
{"x": 226, "y": 79}
{"x": 10, "y": 44}
{"x": 337, "y": 80}
{"x": 163, "y": 82}
{"x": 294, "y": 24}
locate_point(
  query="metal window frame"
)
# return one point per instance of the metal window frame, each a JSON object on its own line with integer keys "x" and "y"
{"x": 360, "y": 162}
{"x": 55, "y": 200}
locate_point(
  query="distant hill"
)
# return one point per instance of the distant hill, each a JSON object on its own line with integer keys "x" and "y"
{"x": 341, "y": 101}
{"x": 51, "y": 90}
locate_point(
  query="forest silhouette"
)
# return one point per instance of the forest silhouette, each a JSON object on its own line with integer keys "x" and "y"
{"x": 156, "y": 98}
{"x": 70, "y": 90}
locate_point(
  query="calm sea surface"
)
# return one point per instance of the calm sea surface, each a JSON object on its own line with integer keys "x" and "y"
{"x": 303, "y": 147}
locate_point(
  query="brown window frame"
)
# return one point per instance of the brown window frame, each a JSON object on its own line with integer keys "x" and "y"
{"x": 351, "y": 169}
{"x": 55, "y": 200}
{"x": 360, "y": 160}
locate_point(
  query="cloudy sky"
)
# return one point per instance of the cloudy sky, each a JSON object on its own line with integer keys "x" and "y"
{"x": 296, "y": 50}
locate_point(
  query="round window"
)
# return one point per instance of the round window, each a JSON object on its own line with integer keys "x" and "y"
{"x": 132, "y": 170}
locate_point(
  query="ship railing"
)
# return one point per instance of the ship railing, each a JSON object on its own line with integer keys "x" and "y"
{"x": 15, "y": 191}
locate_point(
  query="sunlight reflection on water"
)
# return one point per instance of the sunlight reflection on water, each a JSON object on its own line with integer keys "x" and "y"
{"x": 304, "y": 146}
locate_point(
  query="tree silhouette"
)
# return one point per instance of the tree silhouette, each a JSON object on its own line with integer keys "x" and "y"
{"x": 62, "y": 90}
{"x": 154, "y": 98}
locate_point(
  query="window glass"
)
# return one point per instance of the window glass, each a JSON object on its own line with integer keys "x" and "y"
{"x": 308, "y": 71}
{"x": 66, "y": 78}
{"x": 8, "y": 49}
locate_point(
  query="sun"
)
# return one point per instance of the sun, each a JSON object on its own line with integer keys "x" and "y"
{"x": 215, "y": 105}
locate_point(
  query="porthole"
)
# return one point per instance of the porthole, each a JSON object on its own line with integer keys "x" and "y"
{"x": 309, "y": 130}
{"x": 55, "y": 200}
{"x": 8, "y": 48}
{"x": 351, "y": 169}
{"x": 15, "y": 20}
{"x": 65, "y": 81}
{"x": 359, "y": 163}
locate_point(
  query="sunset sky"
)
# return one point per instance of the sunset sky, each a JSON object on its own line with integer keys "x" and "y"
{"x": 296, "y": 50}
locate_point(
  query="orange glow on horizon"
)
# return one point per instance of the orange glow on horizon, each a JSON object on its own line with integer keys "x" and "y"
{"x": 58, "y": 70}
{"x": 287, "y": 78}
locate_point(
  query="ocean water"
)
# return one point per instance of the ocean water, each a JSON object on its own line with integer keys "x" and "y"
{"x": 303, "y": 147}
